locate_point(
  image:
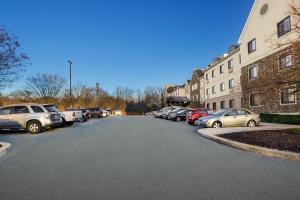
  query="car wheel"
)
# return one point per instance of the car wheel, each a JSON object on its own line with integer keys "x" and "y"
{"x": 251, "y": 123}
{"x": 178, "y": 119}
{"x": 69, "y": 123}
{"x": 217, "y": 125}
{"x": 34, "y": 127}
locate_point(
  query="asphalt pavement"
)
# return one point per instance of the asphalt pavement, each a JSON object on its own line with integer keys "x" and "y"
{"x": 137, "y": 158}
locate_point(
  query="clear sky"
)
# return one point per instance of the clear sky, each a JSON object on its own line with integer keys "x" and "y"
{"x": 134, "y": 43}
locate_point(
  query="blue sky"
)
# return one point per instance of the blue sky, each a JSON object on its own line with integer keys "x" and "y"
{"x": 134, "y": 43}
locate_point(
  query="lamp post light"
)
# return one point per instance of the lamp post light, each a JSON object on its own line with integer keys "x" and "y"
{"x": 70, "y": 71}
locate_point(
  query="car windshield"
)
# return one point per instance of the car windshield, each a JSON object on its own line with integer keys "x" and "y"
{"x": 219, "y": 113}
{"x": 50, "y": 108}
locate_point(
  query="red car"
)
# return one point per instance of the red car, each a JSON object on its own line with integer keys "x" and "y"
{"x": 195, "y": 114}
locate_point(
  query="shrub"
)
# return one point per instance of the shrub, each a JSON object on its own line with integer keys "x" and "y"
{"x": 281, "y": 119}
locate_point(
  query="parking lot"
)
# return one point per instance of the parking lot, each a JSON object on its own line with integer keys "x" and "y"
{"x": 137, "y": 158}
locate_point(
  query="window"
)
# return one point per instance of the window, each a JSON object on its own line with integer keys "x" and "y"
{"x": 208, "y": 106}
{"x": 20, "y": 110}
{"x": 37, "y": 109}
{"x": 195, "y": 86}
{"x": 222, "y": 104}
{"x": 222, "y": 87}
{"x": 6, "y": 111}
{"x": 213, "y": 73}
{"x": 252, "y": 46}
{"x": 231, "y": 84}
{"x": 230, "y": 113}
{"x": 214, "y": 106}
{"x": 230, "y": 64}
{"x": 221, "y": 69}
{"x": 288, "y": 95}
{"x": 284, "y": 26}
{"x": 286, "y": 61}
{"x": 207, "y": 91}
{"x": 242, "y": 112}
{"x": 254, "y": 100}
{"x": 207, "y": 77}
{"x": 240, "y": 58}
{"x": 253, "y": 72}
{"x": 231, "y": 103}
{"x": 214, "y": 89}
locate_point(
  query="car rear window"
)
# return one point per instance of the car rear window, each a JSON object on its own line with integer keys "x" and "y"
{"x": 50, "y": 108}
{"x": 37, "y": 109}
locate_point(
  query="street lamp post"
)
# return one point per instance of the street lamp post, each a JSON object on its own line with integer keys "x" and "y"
{"x": 70, "y": 71}
{"x": 98, "y": 93}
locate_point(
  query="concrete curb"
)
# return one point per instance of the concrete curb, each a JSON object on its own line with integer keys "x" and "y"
{"x": 3, "y": 149}
{"x": 253, "y": 149}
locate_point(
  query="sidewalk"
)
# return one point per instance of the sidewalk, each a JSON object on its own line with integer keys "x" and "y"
{"x": 3, "y": 147}
{"x": 212, "y": 134}
{"x": 262, "y": 126}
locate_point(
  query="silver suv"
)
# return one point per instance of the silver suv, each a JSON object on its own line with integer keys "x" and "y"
{"x": 31, "y": 117}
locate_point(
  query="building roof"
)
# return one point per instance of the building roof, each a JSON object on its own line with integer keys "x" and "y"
{"x": 198, "y": 72}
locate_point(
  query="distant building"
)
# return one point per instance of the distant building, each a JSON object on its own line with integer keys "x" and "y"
{"x": 197, "y": 89}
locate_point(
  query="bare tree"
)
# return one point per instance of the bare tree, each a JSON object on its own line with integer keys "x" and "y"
{"x": 289, "y": 45}
{"x": 46, "y": 85}
{"x": 12, "y": 62}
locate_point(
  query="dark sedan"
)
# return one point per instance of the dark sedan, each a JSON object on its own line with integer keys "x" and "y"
{"x": 179, "y": 116}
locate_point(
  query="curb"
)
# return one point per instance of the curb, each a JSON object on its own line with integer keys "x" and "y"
{"x": 3, "y": 149}
{"x": 253, "y": 149}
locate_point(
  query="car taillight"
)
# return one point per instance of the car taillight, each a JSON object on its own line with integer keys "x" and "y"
{"x": 47, "y": 116}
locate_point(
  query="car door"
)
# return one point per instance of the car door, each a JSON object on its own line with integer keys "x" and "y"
{"x": 229, "y": 118}
{"x": 19, "y": 116}
{"x": 242, "y": 117}
{"x": 5, "y": 118}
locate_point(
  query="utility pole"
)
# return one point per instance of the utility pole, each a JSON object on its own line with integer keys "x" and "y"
{"x": 70, "y": 71}
{"x": 98, "y": 93}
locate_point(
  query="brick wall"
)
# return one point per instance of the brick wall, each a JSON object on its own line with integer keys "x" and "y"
{"x": 267, "y": 85}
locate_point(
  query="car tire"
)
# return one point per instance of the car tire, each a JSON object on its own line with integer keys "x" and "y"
{"x": 217, "y": 125}
{"x": 251, "y": 123}
{"x": 34, "y": 127}
{"x": 69, "y": 123}
{"x": 178, "y": 119}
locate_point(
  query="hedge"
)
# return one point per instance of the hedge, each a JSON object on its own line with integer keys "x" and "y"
{"x": 280, "y": 119}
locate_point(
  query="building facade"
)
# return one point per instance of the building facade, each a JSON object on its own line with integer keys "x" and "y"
{"x": 222, "y": 81}
{"x": 187, "y": 87}
{"x": 197, "y": 89}
{"x": 270, "y": 66}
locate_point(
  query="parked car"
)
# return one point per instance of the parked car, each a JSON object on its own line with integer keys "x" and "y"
{"x": 30, "y": 117}
{"x": 98, "y": 113}
{"x": 166, "y": 114}
{"x": 230, "y": 118}
{"x": 195, "y": 114}
{"x": 68, "y": 117}
{"x": 85, "y": 113}
{"x": 179, "y": 116}
{"x": 158, "y": 114}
